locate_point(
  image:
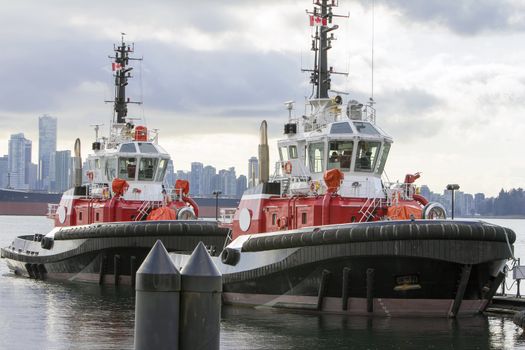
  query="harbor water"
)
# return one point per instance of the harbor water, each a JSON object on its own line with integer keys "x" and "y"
{"x": 37, "y": 314}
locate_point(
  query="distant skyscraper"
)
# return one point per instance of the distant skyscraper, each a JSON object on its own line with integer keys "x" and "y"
{"x": 170, "y": 174}
{"x": 195, "y": 178}
{"x": 62, "y": 171}
{"x": 47, "y": 146}
{"x": 19, "y": 161}
{"x": 253, "y": 172}
{"x": 241, "y": 185}
{"x": 4, "y": 163}
{"x": 208, "y": 173}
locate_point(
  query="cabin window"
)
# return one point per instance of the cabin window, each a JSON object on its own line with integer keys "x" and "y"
{"x": 341, "y": 128}
{"x": 366, "y": 128}
{"x": 274, "y": 219}
{"x": 79, "y": 216}
{"x": 316, "y": 157}
{"x": 340, "y": 155}
{"x": 127, "y": 168}
{"x": 97, "y": 216}
{"x": 367, "y": 152}
{"x": 304, "y": 218}
{"x": 111, "y": 168}
{"x": 162, "y": 170}
{"x": 384, "y": 156}
{"x": 293, "y": 151}
{"x": 128, "y": 148}
{"x": 283, "y": 153}
{"x": 147, "y": 167}
{"x": 147, "y": 148}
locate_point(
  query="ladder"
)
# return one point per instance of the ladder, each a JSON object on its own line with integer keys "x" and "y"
{"x": 368, "y": 208}
{"x": 143, "y": 210}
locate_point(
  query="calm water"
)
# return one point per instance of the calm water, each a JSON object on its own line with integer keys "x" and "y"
{"x": 42, "y": 315}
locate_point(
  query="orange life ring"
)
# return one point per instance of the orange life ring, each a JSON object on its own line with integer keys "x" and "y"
{"x": 288, "y": 167}
{"x": 282, "y": 222}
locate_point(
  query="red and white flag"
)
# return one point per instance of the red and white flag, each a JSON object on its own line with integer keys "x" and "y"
{"x": 318, "y": 21}
{"x": 116, "y": 66}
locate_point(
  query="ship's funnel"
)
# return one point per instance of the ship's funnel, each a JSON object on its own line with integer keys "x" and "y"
{"x": 77, "y": 165}
{"x": 264, "y": 154}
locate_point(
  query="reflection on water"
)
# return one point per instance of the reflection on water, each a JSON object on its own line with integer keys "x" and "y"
{"x": 45, "y": 315}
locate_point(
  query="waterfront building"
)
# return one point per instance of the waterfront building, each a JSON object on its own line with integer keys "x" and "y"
{"x": 208, "y": 174}
{"x": 253, "y": 172}
{"x": 242, "y": 183}
{"x": 47, "y": 146}
{"x": 3, "y": 171}
{"x": 170, "y": 174}
{"x": 63, "y": 165}
{"x": 19, "y": 160}
{"x": 195, "y": 178}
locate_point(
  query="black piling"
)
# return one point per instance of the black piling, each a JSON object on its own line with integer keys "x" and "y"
{"x": 116, "y": 269}
{"x": 133, "y": 269}
{"x": 157, "y": 302}
{"x": 322, "y": 288}
{"x": 462, "y": 286}
{"x": 102, "y": 271}
{"x": 200, "y": 302}
{"x": 370, "y": 290}
{"x": 346, "y": 285}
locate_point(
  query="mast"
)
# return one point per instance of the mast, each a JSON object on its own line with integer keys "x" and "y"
{"x": 321, "y": 18}
{"x": 122, "y": 74}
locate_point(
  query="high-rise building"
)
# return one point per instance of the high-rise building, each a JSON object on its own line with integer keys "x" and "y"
{"x": 241, "y": 185}
{"x": 62, "y": 171}
{"x": 19, "y": 161}
{"x": 170, "y": 174}
{"x": 4, "y": 163}
{"x": 195, "y": 178}
{"x": 208, "y": 173}
{"x": 253, "y": 172}
{"x": 47, "y": 146}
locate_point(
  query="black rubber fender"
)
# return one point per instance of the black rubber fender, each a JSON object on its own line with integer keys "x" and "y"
{"x": 47, "y": 243}
{"x": 230, "y": 256}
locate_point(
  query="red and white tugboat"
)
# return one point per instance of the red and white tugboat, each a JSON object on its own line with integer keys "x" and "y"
{"x": 326, "y": 233}
{"x": 105, "y": 227}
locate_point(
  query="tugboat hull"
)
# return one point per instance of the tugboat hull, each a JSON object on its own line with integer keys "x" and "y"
{"x": 108, "y": 253}
{"x": 419, "y": 268}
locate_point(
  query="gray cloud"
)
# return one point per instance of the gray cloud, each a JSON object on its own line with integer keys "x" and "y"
{"x": 467, "y": 17}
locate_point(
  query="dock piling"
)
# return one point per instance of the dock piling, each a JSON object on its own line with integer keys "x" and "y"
{"x": 200, "y": 302}
{"x": 157, "y": 302}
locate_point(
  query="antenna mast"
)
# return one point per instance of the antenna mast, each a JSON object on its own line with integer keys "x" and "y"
{"x": 122, "y": 73}
{"x": 321, "y": 18}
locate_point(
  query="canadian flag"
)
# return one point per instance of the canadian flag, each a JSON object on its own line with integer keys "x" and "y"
{"x": 116, "y": 66}
{"x": 318, "y": 21}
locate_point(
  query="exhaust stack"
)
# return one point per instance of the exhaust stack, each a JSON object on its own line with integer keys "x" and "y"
{"x": 77, "y": 165}
{"x": 264, "y": 154}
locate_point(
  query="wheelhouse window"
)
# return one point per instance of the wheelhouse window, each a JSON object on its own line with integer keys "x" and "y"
{"x": 283, "y": 153}
{"x": 128, "y": 148}
{"x": 366, "y": 128}
{"x": 147, "y": 148}
{"x": 384, "y": 156}
{"x": 127, "y": 168}
{"x": 367, "y": 152}
{"x": 340, "y": 155}
{"x": 147, "y": 167}
{"x": 293, "y": 151}
{"x": 111, "y": 168}
{"x": 316, "y": 157}
{"x": 163, "y": 164}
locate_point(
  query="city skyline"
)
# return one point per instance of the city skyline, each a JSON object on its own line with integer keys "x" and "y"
{"x": 450, "y": 89}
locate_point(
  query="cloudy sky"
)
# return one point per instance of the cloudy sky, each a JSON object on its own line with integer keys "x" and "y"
{"x": 449, "y": 77}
